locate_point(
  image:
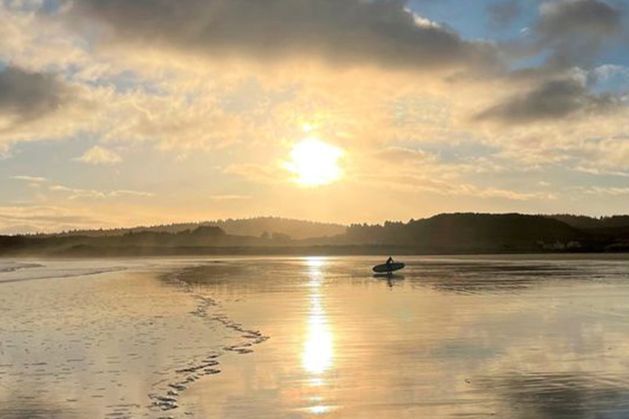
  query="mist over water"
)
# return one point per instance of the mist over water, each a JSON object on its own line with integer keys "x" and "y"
{"x": 507, "y": 336}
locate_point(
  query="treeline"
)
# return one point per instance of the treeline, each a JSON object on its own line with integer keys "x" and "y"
{"x": 593, "y": 223}
{"x": 444, "y": 233}
{"x": 467, "y": 230}
{"x": 477, "y": 233}
{"x": 133, "y": 242}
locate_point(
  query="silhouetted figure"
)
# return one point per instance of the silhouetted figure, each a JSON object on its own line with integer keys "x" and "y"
{"x": 389, "y": 262}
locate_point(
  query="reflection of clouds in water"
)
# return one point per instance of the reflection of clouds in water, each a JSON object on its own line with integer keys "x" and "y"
{"x": 19, "y": 409}
{"x": 560, "y": 395}
{"x": 34, "y": 402}
{"x": 449, "y": 352}
{"x": 491, "y": 277}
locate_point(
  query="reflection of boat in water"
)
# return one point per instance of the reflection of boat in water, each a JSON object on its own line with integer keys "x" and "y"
{"x": 389, "y": 275}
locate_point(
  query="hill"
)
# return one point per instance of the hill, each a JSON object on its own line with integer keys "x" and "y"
{"x": 470, "y": 232}
{"x": 592, "y": 223}
{"x": 442, "y": 234}
{"x": 258, "y": 226}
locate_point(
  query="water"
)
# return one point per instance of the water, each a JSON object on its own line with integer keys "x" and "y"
{"x": 508, "y": 336}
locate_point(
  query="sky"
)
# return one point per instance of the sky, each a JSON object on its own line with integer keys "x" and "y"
{"x": 121, "y": 113}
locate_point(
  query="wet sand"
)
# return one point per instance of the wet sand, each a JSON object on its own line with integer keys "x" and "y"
{"x": 524, "y": 337}
{"x": 91, "y": 339}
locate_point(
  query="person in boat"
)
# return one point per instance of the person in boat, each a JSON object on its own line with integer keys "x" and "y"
{"x": 389, "y": 262}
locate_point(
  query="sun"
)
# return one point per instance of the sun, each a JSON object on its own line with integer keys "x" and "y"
{"x": 314, "y": 162}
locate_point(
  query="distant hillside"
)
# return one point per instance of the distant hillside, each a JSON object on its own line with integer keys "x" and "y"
{"x": 585, "y": 222}
{"x": 442, "y": 234}
{"x": 131, "y": 243}
{"x": 259, "y": 226}
{"x": 471, "y": 232}
{"x": 295, "y": 229}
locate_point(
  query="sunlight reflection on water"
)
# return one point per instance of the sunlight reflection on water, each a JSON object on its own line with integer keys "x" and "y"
{"x": 318, "y": 351}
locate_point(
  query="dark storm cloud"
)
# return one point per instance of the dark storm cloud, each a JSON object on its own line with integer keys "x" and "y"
{"x": 27, "y": 95}
{"x": 553, "y": 99}
{"x": 575, "y": 30}
{"x": 349, "y": 31}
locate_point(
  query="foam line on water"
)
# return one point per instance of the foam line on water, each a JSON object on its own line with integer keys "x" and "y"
{"x": 61, "y": 275}
{"x": 16, "y": 266}
{"x": 167, "y": 392}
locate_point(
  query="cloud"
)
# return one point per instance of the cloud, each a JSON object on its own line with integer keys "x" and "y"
{"x": 416, "y": 182}
{"x": 182, "y": 120}
{"x": 608, "y": 154}
{"x": 100, "y": 156}
{"x": 255, "y": 72}
{"x": 77, "y": 193}
{"x": 37, "y": 105}
{"x": 384, "y": 33}
{"x": 41, "y": 218}
{"x": 600, "y": 172}
{"x": 26, "y": 95}
{"x": 605, "y": 190}
{"x": 576, "y": 29}
{"x": 403, "y": 154}
{"x": 229, "y": 197}
{"x": 608, "y": 71}
{"x": 563, "y": 18}
{"x": 127, "y": 192}
{"x": 255, "y": 172}
{"x": 30, "y": 179}
{"x": 569, "y": 36}
{"x": 553, "y": 99}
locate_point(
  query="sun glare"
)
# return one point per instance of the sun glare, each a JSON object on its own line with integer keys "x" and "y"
{"x": 315, "y": 162}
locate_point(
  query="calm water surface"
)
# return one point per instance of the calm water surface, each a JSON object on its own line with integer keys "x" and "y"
{"x": 519, "y": 336}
